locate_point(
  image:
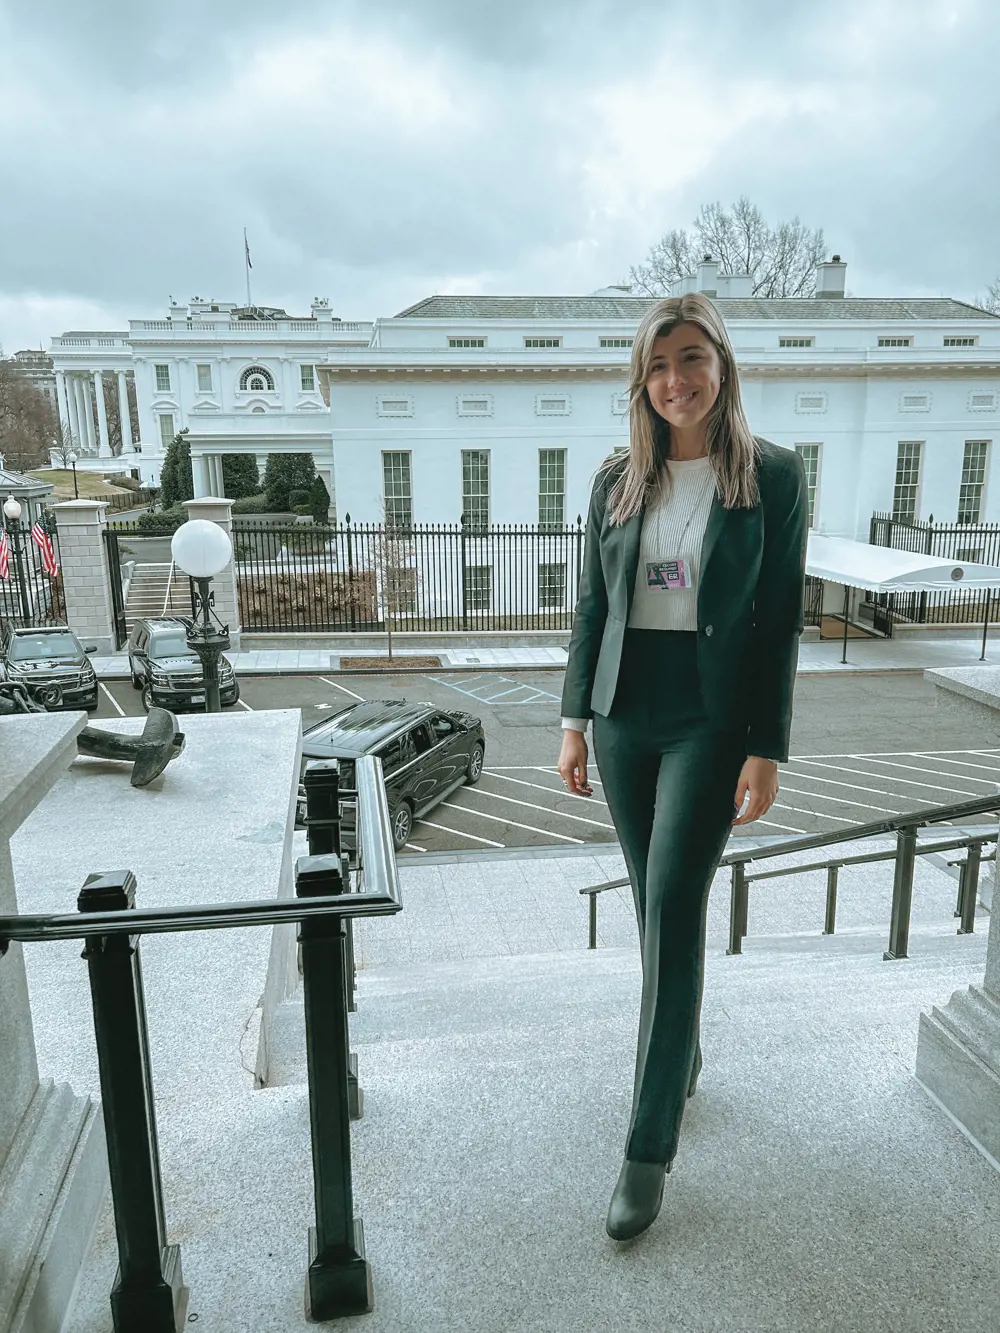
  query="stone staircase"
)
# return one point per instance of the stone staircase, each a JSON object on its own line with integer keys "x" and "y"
{"x": 156, "y": 590}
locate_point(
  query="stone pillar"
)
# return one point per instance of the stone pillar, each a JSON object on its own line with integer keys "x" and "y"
{"x": 958, "y": 1054}
{"x": 53, "y": 1164}
{"x": 71, "y": 413}
{"x": 63, "y": 401}
{"x": 76, "y": 415}
{"x": 128, "y": 444}
{"x": 86, "y": 582}
{"x": 104, "y": 440}
{"x": 200, "y": 476}
{"x": 227, "y": 606}
{"x": 87, "y": 438}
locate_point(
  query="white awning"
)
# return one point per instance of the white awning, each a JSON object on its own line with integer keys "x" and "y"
{"x": 884, "y": 569}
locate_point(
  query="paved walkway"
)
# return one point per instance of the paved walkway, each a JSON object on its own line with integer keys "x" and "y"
{"x": 902, "y": 654}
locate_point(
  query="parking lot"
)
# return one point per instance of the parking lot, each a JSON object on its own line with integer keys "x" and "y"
{"x": 520, "y": 800}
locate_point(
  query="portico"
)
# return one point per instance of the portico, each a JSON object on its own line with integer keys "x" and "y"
{"x": 82, "y": 362}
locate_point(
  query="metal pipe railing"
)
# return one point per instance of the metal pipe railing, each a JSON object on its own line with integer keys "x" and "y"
{"x": 904, "y": 854}
{"x": 149, "y": 1293}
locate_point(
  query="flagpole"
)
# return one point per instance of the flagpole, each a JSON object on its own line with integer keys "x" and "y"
{"x": 246, "y": 260}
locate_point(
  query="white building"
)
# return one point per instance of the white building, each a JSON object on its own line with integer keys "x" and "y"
{"x": 503, "y": 407}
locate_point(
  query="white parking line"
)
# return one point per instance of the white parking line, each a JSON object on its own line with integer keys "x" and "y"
{"x": 114, "y": 701}
{"x": 816, "y": 814}
{"x": 891, "y": 777}
{"x": 966, "y": 763}
{"x": 243, "y": 704}
{"x": 851, "y": 786}
{"x": 841, "y": 800}
{"x": 537, "y": 786}
{"x": 327, "y": 681}
{"x": 912, "y": 768}
{"x": 479, "y": 814}
{"x": 414, "y": 848}
{"x": 458, "y": 832}
{"x": 533, "y": 805}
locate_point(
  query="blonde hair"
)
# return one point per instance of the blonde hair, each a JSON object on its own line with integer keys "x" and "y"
{"x": 731, "y": 446}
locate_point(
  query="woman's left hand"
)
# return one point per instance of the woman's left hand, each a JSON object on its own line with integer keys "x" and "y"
{"x": 759, "y": 777}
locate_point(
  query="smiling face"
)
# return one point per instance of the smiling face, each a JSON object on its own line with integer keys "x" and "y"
{"x": 685, "y": 373}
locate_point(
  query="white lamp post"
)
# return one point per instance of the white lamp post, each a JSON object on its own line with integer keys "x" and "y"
{"x": 71, "y": 460}
{"x": 201, "y": 550}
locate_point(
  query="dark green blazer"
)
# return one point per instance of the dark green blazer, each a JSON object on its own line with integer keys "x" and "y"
{"x": 750, "y": 596}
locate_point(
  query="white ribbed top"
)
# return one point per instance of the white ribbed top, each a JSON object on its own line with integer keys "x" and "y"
{"x": 674, "y": 526}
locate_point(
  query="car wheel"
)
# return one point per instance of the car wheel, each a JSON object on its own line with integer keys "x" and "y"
{"x": 236, "y": 697}
{"x": 136, "y": 680}
{"x": 475, "y": 769}
{"x": 147, "y": 697}
{"x": 402, "y": 823}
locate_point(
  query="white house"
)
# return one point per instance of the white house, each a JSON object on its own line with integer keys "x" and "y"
{"x": 503, "y": 407}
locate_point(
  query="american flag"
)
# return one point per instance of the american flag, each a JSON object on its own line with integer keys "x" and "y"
{"x": 4, "y": 555}
{"x": 44, "y": 543}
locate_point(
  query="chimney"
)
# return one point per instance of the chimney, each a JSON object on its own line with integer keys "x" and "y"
{"x": 708, "y": 276}
{"x": 830, "y": 279}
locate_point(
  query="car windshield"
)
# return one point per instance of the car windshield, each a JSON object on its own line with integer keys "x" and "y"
{"x": 171, "y": 643}
{"x": 39, "y": 647}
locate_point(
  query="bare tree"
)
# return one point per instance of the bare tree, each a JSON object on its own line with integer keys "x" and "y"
{"x": 991, "y": 301}
{"x": 113, "y": 412}
{"x": 781, "y": 260}
{"x": 28, "y": 424}
{"x": 395, "y": 574}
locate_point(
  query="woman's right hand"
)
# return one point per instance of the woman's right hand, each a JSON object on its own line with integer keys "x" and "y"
{"x": 573, "y": 762}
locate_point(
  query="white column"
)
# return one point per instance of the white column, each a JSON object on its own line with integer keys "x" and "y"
{"x": 128, "y": 445}
{"x": 102, "y": 416}
{"x": 63, "y": 402}
{"x": 200, "y": 476}
{"x": 82, "y": 436}
{"x": 218, "y": 484}
{"x": 72, "y": 415}
{"x": 87, "y": 414}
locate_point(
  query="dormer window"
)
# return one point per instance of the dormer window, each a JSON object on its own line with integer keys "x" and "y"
{"x": 257, "y": 379}
{"x": 895, "y": 341}
{"x": 542, "y": 344}
{"x": 963, "y": 340}
{"x": 466, "y": 343}
{"x": 796, "y": 342}
{"x": 617, "y": 343}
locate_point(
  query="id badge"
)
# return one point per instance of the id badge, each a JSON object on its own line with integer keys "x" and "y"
{"x": 667, "y": 575}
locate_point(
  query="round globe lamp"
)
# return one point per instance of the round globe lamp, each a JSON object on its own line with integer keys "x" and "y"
{"x": 201, "y": 550}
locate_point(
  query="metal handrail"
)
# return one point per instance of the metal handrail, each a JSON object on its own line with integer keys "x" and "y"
{"x": 904, "y": 854}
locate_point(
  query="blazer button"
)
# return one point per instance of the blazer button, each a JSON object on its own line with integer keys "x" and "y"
{"x": 708, "y": 631}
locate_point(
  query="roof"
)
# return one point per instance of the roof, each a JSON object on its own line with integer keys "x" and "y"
{"x": 884, "y": 569}
{"x": 878, "y": 309}
{"x": 364, "y": 726}
{"x": 16, "y": 483}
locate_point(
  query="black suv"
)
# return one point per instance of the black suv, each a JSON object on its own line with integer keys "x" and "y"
{"x": 425, "y": 752}
{"x": 50, "y": 662}
{"x": 167, "y": 671}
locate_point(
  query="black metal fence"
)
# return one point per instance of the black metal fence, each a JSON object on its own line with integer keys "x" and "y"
{"x": 429, "y": 577}
{"x": 30, "y": 596}
{"x": 978, "y": 543}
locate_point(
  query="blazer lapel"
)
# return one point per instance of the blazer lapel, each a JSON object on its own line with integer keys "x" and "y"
{"x": 631, "y": 533}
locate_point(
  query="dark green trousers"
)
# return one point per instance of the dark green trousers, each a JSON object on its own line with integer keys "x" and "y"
{"x": 669, "y": 778}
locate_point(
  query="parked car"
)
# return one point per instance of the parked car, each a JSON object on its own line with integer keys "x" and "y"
{"x": 425, "y": 752}
{"x": 51, "y": 663}
{"x": 167, "y": 671}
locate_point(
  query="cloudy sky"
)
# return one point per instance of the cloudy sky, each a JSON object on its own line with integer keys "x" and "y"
{"x": 383, "y": 150}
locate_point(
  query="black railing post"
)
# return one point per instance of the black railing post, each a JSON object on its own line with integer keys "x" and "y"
{"x": 339, "y": 1280}
{"x": 592, "y": 936}
{"x": 148, "y": 1291}
{"x": 830, "y": 924}
{"x": 322, "y": 784}
{"x": 902, "y": 893}
{"x": 737, "y": 907}
{"x": 970, "y": 888}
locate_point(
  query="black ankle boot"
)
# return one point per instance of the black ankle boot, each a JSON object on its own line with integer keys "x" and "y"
{"x": 636, "y": 1199}
{"x": 695, "y": 1072}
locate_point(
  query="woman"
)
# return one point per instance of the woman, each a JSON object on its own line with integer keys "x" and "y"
{"x": 683, "y": 653}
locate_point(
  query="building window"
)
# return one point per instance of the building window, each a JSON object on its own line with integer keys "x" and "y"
{"x": 552, "y": 404}
{"x": 619, "y": 403}
{"x": 895, "y": 342}
{"x": 542, "y": 343}
{"x": 809, "y": 453}
{"x": 466, "y": 342}
{"x": 474, "y": 404}
{"x": 796, "y": 342}
{"x": 982, "y": 402}
{"x": 162, "y": 379}
{"x": 257, "y": 379}
{"x": 307, "y": 378}
{"x": 970, "y": 495}
{"x": 551, "y": 587}
{"x": 551, "y": 488}
{"x": 478, "y": 587}
{"x": 914, "y": 402}
{"x": 476, "y": 488}
{"x": 963, "y": 341}
{"x": 904, "y": 496}
{"x": 397, "y": 489}
{"x": 394, "y": 405}
{"x": 204, "y": 374}
{"x": 616, "y": 343}
{"x": 810, "y": 402}
{"x": 166, "y": 428}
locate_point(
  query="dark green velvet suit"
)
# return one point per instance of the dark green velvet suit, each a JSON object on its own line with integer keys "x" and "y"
{"x": 750, "y": 595}
{"x": 675, "y": 715}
